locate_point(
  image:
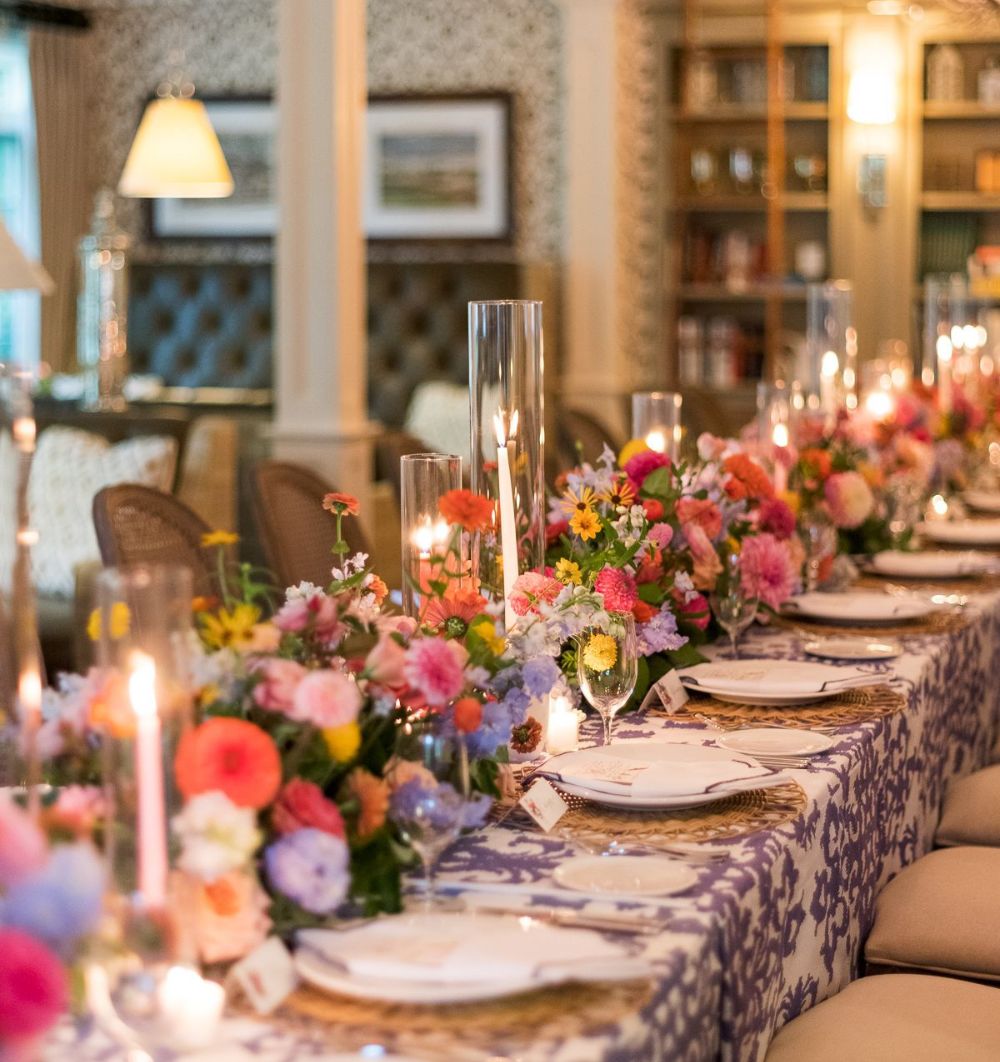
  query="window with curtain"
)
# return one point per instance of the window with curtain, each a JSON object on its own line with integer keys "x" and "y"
{"x": 19, "y": 310}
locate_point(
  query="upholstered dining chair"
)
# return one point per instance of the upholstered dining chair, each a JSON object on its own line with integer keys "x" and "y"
{"x": 940, "y": 914}
{"x": 141, "y": 525}
{"x": 297, "y": 534}
{"x": 896, "y": 1018}
{"x": 971, "y": 811}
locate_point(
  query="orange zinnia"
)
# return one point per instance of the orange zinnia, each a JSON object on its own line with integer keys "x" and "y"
{"x": 748, "y": 480}
{"x": 817, "y": 463}
{"x": 232, "y": 755}
{"x": 472, "y": 511}
{"x": 341, "y": 504}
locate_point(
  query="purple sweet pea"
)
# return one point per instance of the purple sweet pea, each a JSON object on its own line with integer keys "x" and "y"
{"x": 660, "y": 633}
{"x": 310, "y": 867}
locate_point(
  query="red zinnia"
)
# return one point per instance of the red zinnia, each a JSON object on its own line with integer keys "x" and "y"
{"x": 341, "y": 504}
{"x": 232, "y": 755}
{"x": 472, "y": 511}
{"x": 302, "y": 805}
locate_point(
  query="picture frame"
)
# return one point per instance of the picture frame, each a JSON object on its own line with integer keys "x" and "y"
{"x": 247, "y": 130}
{"x": 438, "y": 168}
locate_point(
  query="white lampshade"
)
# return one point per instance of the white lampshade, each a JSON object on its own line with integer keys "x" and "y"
{"x": 871, "y": 96}
{"x": 176, "y": 154}
{"x": 18, "y": 272}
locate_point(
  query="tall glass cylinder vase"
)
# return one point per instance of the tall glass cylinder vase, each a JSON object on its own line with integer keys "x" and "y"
{"x": 656, "y": 418}
{"x": 506, "y": 367}
{"x": 434, "y": 551}
{"x": 832, "y": 346}
{"x": 144, "y": 644}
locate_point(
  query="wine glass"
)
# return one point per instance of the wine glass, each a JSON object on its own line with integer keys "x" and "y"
{"x": 733, "y": 605}
{"x": 607, "y": 666}
{"x": 819, "y": 537}
{"x": 431, "y": 794}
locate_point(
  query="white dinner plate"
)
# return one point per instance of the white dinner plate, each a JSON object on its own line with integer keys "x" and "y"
{"x": 655, "y": 774}
{"x": 771, "y": 682}
{"x": 775, "y": 741}
{"x": 984, "y": 501}
{"x": 853, "y": 649}
{"x": 623, "y": 875}
{"x": 929, "y": 564}
{"x": 962, "y": 532}
{"x": 859, "y": 607}
{"x": 448, "y": 957}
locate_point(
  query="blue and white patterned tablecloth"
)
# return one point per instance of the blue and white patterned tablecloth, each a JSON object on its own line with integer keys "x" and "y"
{"x": 779, "y": 926}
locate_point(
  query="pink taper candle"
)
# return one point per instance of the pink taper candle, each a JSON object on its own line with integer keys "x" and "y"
{"x": 151, "y": 826}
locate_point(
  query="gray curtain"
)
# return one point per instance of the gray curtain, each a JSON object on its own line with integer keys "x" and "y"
{"x": 59, "y": 86}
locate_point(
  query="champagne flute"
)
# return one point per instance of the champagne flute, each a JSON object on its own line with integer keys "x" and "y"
{"x": 607, "y": 666}
{"x": 429, "y": 806}
{"x": 819, "y": 537}
{"x": 732, "y": 604}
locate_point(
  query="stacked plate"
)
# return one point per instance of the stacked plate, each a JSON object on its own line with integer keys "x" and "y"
{"x": 454, "y": 957}
{"x": 983, "y": 501}
{"x": 930, "y": 564}
{"x": 655, "y": 774}
{"x": 962, "y": 532}
{"x": 772, "y": 682}
{"x": 859, "y": 608}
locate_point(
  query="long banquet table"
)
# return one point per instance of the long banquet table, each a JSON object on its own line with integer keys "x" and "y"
{"x": 779, "y": 926}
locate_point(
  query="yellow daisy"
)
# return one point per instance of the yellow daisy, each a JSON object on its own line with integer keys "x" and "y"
{"x": 219, "y": 538}
{"x": 121, "y": 620}
{"x": 578, "y": 503}
{"x": 568, "y": 571}
{"x": 488, "y": 632}
{"x": 621, "y": 494}
{"x": 229, "y": 628}
{"x": 600, "y": 653}
{"x": 585, "y": 523}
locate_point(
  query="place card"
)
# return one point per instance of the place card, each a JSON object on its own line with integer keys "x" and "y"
{"x": 544, "y": 804}
{"x": 669, "y": 691}
{"x": 610, "y": 769}
{"x": 266, "y": 976}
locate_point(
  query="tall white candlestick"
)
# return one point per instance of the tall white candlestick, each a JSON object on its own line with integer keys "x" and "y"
{"x": 508, "y": 527}
{"x": 151, "y": 825}
{"x": 944, "y": 355}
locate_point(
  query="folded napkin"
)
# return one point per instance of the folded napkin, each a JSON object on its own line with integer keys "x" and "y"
{"x": 773, "y": 677}
{"x": 696, "y": 772}
{"x": 455, "y": 948}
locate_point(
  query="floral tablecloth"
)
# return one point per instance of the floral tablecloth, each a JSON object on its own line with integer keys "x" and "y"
{"x": 779, "y": 926}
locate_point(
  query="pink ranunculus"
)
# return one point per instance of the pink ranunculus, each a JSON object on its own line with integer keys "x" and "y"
{"x": 326, "y": 699}
{"x": 34, "y": 988}
{"x": 279, "y": 680}
{"x": 23, "y": 850}
{"x": 661, "y": 535}
{"x": 776, "y": 516}
{"x": 301, "y": 804}
{"x": 317, "y": 609}
{"x": 849, "y": 498}
{"x": 618, "y": 589}
{"x": 700, "y": 511}
{"x": 436, "y": 669}
{"x": 706, "y": 561}
{"x": 767, "y": 569}
{"x": 385, "y": 662}
{"x": 637, "y": 468}
{"x": 532, "y": 589}
{"x": 293, "y": 616}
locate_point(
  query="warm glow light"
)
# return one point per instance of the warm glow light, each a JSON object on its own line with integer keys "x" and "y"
{"x": 880, "y": 404}
{"x": 871, "y": 96}
{"x": 957, "y": 337}
{"x": 423, "y": 536}
{"x": 829, "y": 364}
{"x": 944, "y": 349}
{"x": 142, "y": 684}
{"x": 779, "y": 436}
{"x": 986, "y": 365}
{"x": 23, "y": 430}
{"x": 657, "y": 440}
{"x": 176, "y": 154}
{"x": 970, "y": 336}
{"x": 939, "y": 505}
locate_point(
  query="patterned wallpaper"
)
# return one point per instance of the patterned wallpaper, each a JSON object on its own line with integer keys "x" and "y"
{"x": 230, "y": 47}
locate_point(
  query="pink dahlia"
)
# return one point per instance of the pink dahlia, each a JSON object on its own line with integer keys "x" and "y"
{"x": 849, "y": 498}
{"x": 617, "y": 588}
{"x": 34, "y": 989}
{"x": 767, "y": 569}
{"x": 700, "y": 511}
{"x": 435, "y": 668}
{"x": 637, "y": 468}
{"x": 532, "y": 589}
{"x": 777, "y": 517}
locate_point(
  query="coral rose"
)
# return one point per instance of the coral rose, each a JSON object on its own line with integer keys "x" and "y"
{"x": 326, "y": 698}
{"x": 700, "y": 511}
{"x": 384, "y": 663}
{"x": 230, "y": 755}
{"x": 301, "y": 804}
{"x": 278, "y": 682}
{"x": 707, "y": 565}
{"x": 471, "y": 511}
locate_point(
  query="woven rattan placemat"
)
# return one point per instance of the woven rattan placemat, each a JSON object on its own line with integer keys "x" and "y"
{"x": 940, "y": 622}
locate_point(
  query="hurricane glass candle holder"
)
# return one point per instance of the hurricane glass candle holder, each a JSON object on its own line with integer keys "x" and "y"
{"x": 656, "y": 419}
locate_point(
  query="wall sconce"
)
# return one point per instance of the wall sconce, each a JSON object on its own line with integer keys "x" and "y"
{"x": 871, "y": 100}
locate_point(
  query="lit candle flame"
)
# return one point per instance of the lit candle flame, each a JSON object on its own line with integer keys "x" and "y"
{"x": 142, "y": 684}
{"x": 779, "y": 436}
{"x": 944, "y": 349}
{"x": 830, "y": 363}
{"x": 657, "y": 440}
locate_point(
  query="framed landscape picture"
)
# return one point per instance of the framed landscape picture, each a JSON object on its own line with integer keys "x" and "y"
{"x": 438, "y": 168}
{"x": 247, "y": 130}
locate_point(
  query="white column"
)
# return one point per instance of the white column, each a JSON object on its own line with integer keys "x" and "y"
{"x": 321, "y": 356}
{"x": 595, "y": 372}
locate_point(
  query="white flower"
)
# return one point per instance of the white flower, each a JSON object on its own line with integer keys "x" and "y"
{"x": 303, "y": 590}
{"x": 216, "y": 836}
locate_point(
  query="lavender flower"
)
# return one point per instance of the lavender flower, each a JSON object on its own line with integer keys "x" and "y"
{"x": 659, "y": 634}
{"x": 540, "y": 675}
{"x": 310, "y": 867}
